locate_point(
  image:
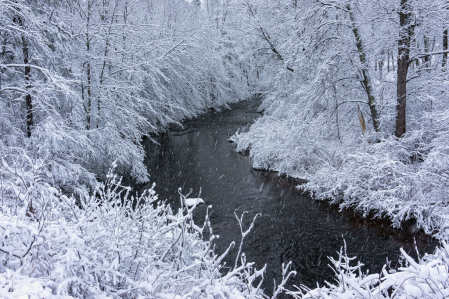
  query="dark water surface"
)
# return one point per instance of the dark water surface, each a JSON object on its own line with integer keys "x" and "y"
{"x": 293, "y": 227}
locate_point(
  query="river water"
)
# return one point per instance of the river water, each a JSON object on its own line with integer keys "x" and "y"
{"x": 293, "y": 227}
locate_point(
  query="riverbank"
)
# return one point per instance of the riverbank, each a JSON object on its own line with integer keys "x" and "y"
{"x": 379, "y": 179}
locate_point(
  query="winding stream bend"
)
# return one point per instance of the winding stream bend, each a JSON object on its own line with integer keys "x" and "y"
{"x": 293, "y": 227}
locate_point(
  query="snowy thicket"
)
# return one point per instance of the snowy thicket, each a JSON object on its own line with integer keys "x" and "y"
{"x": 108, "y": 244}
{"x": 426, "y": 278}
{"x": 333, "y": 113}
{"x": 83, "y": 82}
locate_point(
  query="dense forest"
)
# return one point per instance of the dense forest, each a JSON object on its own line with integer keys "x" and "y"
{"x": 355, "y": 102}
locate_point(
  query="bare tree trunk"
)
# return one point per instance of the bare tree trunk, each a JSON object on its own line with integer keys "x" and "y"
{"x": 88, "y": 68}
{"x": 336, "y": 111}
{"x": 361, "y": 120}
{"x": 403, "y": 63}
{"x": 89, "y": 90}
{"x": 366, "y": 82}
{"x": 426, "y": 50}
{"x": 392, "y": 61}
{"x": 27, "y": 76}
{"x": 445, "y": 33}
{"x": 27, "y": 73}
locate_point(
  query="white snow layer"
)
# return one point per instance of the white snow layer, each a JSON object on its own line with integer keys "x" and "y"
{"x": 191, "y": 202}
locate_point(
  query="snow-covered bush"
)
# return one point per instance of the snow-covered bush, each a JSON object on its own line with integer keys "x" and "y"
{"x": 108, "y": 244}
{"x": 426, "y": 278}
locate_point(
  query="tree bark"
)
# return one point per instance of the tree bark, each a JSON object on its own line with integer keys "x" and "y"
{"x": 27, "y": 74}
{"x": 88, "y": 69}
{"x": 445, "y": 34}
{"x": 366, "y": 81}
{"x": 403, "y": 63}
{"x": 361, "y": 120}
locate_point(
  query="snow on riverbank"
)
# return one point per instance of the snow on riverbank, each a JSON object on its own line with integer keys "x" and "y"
{"x": 393, "y": 178}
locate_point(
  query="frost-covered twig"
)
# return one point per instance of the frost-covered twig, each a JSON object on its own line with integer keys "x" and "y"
{"x": 244, "y": 233}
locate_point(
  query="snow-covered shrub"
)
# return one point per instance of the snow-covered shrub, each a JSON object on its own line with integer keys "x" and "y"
{"x": 389, "y": 179}
{"x": 108, "y": 244}
{"x": 290, "y": 141}
{"x": 426, "y": 278}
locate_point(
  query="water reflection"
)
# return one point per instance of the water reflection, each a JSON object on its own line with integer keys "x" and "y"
{"x": 293, "y": 227}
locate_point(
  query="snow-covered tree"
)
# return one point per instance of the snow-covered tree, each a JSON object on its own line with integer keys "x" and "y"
{"x": 361, "y": 115}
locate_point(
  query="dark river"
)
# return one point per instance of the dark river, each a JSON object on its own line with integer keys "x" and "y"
{"x": 293, "y": 227}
